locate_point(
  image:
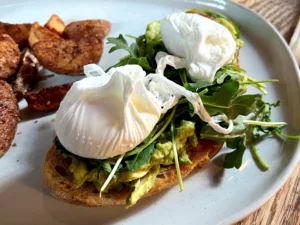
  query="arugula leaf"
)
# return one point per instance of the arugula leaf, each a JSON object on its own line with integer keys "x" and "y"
{"x": 141, "y": 158}
{"x": 121, "y": 43}
{"x": 226, "y": 100}
{"x": 136, "y": 52}
{"x": 194, "y": 87}
{"x": 142, "y": 61}
{"x": 106, "y": 166}
{"x": 235, "y": 158}
{"x": 141, "y": 45}
{"x": 222, "y": 74}
{"x": 234, "y": 140}
{"x": 122, "y": 62}
{"x": 199, "y": 85}
{"x": 238, "y": 130}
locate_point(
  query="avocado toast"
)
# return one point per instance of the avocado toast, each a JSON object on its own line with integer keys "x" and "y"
{"x": 158, "y": 114}
{"x": 60, "y": 183}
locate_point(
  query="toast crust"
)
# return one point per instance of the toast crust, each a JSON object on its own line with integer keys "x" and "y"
{"x": 59, "y": 182}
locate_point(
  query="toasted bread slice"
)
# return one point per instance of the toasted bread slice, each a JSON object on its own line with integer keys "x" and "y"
{"x": 59, "y": 182}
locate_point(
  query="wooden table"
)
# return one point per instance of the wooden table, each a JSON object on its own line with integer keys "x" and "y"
{"x": 284, "y": 207}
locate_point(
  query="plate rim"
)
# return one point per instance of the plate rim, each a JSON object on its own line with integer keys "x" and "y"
{"x": 273, "y": 190}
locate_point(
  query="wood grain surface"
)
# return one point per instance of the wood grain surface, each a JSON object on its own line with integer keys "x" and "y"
{"x": 284, "y": 207}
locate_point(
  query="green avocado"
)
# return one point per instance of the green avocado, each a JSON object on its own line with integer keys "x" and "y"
{"x": 185, "y": 131}
{"x": 132, "y": 175}
{"x": 229, "y": 26}
{"x": 184, "y": 159}
{"x": 142, "y": 186}
{"x": 153, "y": 34}
{"x": 79, "y": 170}
{"x": 163, "y": 153}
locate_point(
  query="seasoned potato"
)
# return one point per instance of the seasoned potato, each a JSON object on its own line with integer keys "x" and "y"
{"x": 18, "y": 32}
{"x": 47, "y": 99}
{"x": 68, "y": 56}
{"x": 39, "y": 33}
{"x": 55, "y": 24}
{"x": 27, "y": 75}
{"x": 8, "y": 116}
{"x": 9, "y": 56}
{"x": 87, "y": 28}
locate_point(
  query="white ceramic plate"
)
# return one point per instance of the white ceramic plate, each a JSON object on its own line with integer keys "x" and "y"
{"x": 213, "y": 195}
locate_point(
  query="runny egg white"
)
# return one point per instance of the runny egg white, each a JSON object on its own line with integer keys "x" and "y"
{"x": 196, "y": 43}
{"x": 108, "y": 114}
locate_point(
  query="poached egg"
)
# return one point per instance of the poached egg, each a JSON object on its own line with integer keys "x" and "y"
{"x": 196, "y": 43}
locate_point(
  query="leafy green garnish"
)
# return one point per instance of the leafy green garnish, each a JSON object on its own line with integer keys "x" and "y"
{"x": 136, "y": 53}
{"x": 234, "y": 140}
{"x": 235, "y": 158}
{"x": 121, "y": 43}
{"x": 141, "y": 52}
{"x": 176, "y": 158}
{"x": 140, "y": 159}
{"x": 227, "y": 101}
{"x": 262, "y": 126}
{"x": 239, "y": 129}
{"x": 194, "y": 87}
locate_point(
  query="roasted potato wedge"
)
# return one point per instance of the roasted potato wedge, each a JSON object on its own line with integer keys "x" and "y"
{"x": 68, "y": 56}
{"x": 39, "y": 33}
{"x": 56, "y": 24}
{"x": 47, "y": 99}
{"x": 9, "y": 56}
{"x": 18, "y": 32}
{"x": 8, "y": 116}
{"x": 27, "y": 75}
{"x": 87, "y": 28}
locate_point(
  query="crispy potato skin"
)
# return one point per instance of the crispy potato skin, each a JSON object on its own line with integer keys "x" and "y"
{"x": 27, "y": 75}
{"x": 9, "y": 56}
{"x": 8, "y": 116}
{"x": 39, "y": 33}
{"x": 87, "y": 28}
{"x": 68, "y": 56}
{"x": 18, "y": 32}
{"x": 56, "y": 24}
{"x": 47, "y": 99}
